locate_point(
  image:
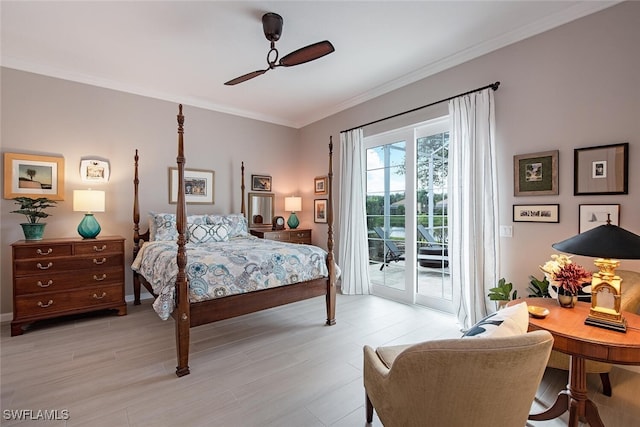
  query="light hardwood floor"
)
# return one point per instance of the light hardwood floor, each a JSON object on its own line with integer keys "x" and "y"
{"x": 280, "y": 367}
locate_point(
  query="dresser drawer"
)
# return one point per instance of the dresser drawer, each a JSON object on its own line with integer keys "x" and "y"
{"x": 282, "y": 236}
{"x": 86, "y": 299}
{"x": 51, "y": 282}
{"x": 302, "y": 236}
{"x": 56, "y": 265}
{"x": 42, "y": 251}
{"x": 99, "y": 247}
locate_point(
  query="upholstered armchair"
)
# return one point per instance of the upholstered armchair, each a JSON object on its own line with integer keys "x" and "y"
{"x": 458, "y": 382}
{"x": 630, "y": 301}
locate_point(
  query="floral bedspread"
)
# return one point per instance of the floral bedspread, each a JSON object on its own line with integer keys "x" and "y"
{"x": 219, "y": 269}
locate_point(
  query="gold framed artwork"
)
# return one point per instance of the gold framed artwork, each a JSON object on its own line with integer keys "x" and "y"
{"x": 198, "y": 186}
{"x": 601, "y": 170}
{"x": 320, "y": 210}
{"x": 29, "y": 175}
{"x": 535, "y": 174}
{"x": 320, "y": 184}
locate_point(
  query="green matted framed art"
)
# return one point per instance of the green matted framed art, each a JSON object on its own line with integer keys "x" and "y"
{"x": 535, "y": 174}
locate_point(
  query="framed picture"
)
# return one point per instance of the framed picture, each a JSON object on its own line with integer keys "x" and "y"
{"x": 28, "y": 175}
{"x": 320, "y": 184}
{"x": 535, "y": 174}
{"x": 601, "y": 170}
{"x": 536, "y": 213}
{"x": 592, "y": 216}
{"x": 260, "y": 183}
{"x": 94, "y": 171}
{"x": 320, "y": 210}
{"x": 198, "y": 186}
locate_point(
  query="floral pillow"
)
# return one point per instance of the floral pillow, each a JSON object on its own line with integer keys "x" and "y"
{"x": 237, "y": 223}
{"x": 203, "y": 233}
{"x": 509, "y": 321}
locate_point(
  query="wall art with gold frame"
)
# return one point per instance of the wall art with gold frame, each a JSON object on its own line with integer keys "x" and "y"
{"x": 30, "y": 175}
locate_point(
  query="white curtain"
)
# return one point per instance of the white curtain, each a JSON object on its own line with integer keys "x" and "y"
{"x": 473, "y": 205}
{"x": 353, "y": 249}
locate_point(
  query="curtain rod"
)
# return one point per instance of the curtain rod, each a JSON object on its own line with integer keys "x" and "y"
{"x": 493, "y": 86}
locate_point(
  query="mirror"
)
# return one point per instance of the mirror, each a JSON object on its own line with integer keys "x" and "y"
{"x": 260, "y": 212}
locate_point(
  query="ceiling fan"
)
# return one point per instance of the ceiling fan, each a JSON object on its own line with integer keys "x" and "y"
{"x": 272, "y": 27}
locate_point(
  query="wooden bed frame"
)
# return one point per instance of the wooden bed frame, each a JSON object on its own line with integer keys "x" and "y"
{"x": 188, "y": 315}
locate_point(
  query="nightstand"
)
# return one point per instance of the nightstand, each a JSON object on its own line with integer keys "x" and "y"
{"x": 292, "y": 236}
{"x": 57, "y": 277}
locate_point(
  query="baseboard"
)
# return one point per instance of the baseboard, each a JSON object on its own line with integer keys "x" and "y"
{"x": 8, "y": 317}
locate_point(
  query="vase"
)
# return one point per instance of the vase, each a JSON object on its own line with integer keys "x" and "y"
{"x": 33, "y": 231}
{"x": 567, "y": 301}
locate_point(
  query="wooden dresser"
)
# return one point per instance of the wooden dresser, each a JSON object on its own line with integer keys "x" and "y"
{"x": 55, "y": 277}
{"x": 293, "y": 236}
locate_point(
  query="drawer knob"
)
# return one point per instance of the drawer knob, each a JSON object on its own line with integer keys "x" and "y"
{"x": 41, "y": 252}
{"x": 104, "y": 294}
{"x": 42, "y": 267}
{"x": 99, "y": 279}
{"x": 45, "y": 285}
{"x": 45, "y": 305}
{"x": 98, "y": 262}
{"x": 97, "y": 249}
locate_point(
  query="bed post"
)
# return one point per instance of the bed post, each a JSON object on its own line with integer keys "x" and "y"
{"x": 242, "y": 207}
{"x": 136, "y": 229}
{"x": 182, "y": 313}
{"x": 331, "y": 266}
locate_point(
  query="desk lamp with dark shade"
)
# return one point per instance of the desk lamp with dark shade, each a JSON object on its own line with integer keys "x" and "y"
{"x": 608, "y": 243}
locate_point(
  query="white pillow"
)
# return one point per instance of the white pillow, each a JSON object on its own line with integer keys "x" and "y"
{"x": 203, "y": 233}
{"x": 509, "y": 321}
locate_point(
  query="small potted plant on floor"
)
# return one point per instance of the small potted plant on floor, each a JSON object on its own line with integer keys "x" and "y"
{"x": 501, "y": 294}
{"x": 34, "y": 210}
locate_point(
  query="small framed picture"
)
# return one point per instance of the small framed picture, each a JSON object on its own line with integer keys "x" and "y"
{"x": 260, "y": 183}
{"x": 601, "y": 170}
{"x": 94, "y": 171}
{"x": 320, "y": 184}
{"x": 198, "y": 186}
{"x": 535, "y": 174}
{"x": 28, "y": 175}
{"x": 536, "y": 213}
{"x": 592, "y": 216}
{"x": 320, "y": 210}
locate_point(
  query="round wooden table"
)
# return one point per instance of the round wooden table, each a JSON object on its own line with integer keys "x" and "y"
{"x": 580, "y": 342}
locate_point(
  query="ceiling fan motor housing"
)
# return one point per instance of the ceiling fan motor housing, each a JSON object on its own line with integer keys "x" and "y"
{"x": 272, "y": 26}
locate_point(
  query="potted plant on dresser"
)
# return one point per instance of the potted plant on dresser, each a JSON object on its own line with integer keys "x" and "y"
{"x": 34, "y": 210}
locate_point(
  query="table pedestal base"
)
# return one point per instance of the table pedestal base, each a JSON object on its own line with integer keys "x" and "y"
{"x": 574, "y": 399}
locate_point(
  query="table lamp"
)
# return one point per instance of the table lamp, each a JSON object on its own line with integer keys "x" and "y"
{"x": 607, "y": 243}
{"x": 88, "y": 201}
{"x": 293, "y": 204}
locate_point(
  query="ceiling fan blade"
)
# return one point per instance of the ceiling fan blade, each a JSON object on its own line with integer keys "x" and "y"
{"x": 246, "y": 77}
{"x": 307, "y": 53}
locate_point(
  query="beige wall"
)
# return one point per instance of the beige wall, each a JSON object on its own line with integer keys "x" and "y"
{"x": 575, "y": 86}
{"x": 571, "y": 87}
{"x": 47, "y": 116}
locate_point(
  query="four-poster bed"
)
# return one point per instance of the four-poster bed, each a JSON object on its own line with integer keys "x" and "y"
{"x": 187, "y": 311}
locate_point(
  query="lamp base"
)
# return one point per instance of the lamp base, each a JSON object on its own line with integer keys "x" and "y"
{"x": 89, "y": 227}
{"x": 606, "y": 324}
{"x": 293, "y": 221}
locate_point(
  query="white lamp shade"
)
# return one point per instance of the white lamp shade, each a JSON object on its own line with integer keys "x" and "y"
{"x": 88, "y": 201}
{"x": 293, "y": 204}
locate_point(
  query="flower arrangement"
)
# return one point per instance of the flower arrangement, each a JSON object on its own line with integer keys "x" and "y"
{"x": 565, "y": 275}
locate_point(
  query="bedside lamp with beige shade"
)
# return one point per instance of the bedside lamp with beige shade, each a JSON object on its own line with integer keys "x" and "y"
{"x": 293, "y": 204}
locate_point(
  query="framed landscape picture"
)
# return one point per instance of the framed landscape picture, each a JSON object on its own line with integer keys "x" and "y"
{"x": 260, "y": 183}
{"x": 198, "y": 186}
{"x": 535, "y": 174}
{"x": 536, "y": 213}
{"x": 320, "y": 184}
{"x": 28, "y": 175}
{"x": 320, "y": 210}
